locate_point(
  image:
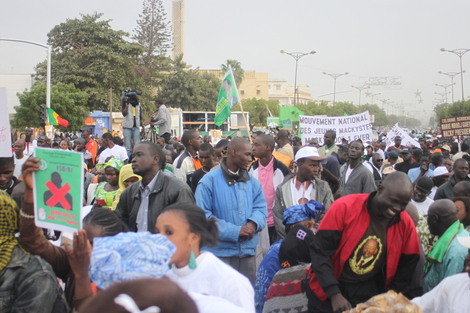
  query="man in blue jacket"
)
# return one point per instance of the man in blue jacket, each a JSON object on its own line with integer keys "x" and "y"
{"x": 235, "y": 198}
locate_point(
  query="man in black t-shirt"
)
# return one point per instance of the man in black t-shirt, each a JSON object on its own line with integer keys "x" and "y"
{"x": 208, "y": 160}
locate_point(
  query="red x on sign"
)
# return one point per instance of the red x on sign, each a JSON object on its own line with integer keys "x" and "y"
{"x": 58, "y": 195}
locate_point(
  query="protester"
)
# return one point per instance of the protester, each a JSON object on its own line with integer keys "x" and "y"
{"x": 462, "y": 189}
{"x": 299, "y": 221}
{"x": 440, "y": 176}
{"x": 112, "y": 150}
{"x": 301, "y": 187}
{"x": 461, "y": 171}
{"x": 270, "y": 173}
{"x": 463, "y": 210}
{"x": 163, "y": 120}
{"x": 188, "y": 162}
{"x": 100, "y": 222}
{"x": 336, "y": 159}
{"x": 355, "y": 177}
{"x": 80, "y": 146}
{"x": 329, "y": 146}
{"x": 447, "y": 255}
{"x": 19, "y": 157}
{"x": 27, "y": 282}
{"x": 225, "y": 189}
{"x": 90, "y": 144}
{"x": 208, "y": 160}
{"x": 127, "y": 177}
{"x": 106, "y": 192}
{"x": 453, "y": 293}
{"x": 421, "y": 191}
{"x": 375, "y": 165}
{"x": 8, "y": 182}
{"x": 359, "y": 235}
{"x": 186, "y": 226}
{"x": 142, "y": 202}
{"x": 423, "y": 170}
{"x": 397, "y": 145}
{"x": 283, "y": 145}
{"x": 407, "y": 163}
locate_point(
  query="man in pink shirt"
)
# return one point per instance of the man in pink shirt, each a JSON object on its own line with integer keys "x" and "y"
{"x": 270, "y": 173}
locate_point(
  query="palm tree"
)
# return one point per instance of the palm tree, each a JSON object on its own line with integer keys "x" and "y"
{"x": 237, "y": 70}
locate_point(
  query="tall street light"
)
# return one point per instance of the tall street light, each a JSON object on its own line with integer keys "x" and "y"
{"x": 335, "y": 77}
{"x": 297, "y": 56}
{"x": 460, "y": 53}
{"x": 372, "y": 95}
{"x": 360, "y": 89}
{"x": 48, "y": 70}
{"x": 444, "y": 86}
{"x": 451, "y": 75}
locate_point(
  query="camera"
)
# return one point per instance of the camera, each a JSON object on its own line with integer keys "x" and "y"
{"x": 130, "y": 96}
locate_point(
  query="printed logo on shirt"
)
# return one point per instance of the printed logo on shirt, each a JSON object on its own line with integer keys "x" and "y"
{"x": 366, "y": 255}
{"x": 301, "y": 234}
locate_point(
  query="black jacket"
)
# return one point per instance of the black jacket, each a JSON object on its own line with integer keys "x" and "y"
{"x": 167, "y": 190}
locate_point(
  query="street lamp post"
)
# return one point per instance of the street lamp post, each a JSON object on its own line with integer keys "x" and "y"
{"x": 335, "y": 77}
{"x": 451, "y": 75}
{"x": 460, "y": 53}
{"x": 48, "y": 69}
{"x": 297, "y": 56}
{"x": 360, "y": 89}
{"x": 445, "y": 86}
{"x": 373, "y": 95}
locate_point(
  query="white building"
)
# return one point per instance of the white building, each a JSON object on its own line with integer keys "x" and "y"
{"x": 15, "y": 83}
{"x": 280, "y": 90}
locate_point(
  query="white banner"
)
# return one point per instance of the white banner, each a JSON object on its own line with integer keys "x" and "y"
{"x": 352, "y": 127}
{"x": 406, "y": 139}
{"x": 5, "y": 133}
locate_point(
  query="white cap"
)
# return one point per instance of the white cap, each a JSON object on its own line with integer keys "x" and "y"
{"x": 308, "y": 152}
{"x": 440, "y": 170}
{"x": 464, "y": 241}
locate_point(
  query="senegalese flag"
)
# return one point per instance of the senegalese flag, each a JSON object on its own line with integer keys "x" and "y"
{"x": 55, "y": 119}
{"x": 228, "y": 97}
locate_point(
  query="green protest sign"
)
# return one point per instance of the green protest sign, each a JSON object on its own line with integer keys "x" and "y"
{"x": 58, "y": 189}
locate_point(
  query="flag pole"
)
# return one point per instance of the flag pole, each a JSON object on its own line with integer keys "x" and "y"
{"x": 246, "y": 123}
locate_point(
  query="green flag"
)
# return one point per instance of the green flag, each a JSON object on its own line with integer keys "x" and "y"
{"x": 228, "y": 97}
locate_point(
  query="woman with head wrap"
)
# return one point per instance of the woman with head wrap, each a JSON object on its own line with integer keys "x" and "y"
{"x": 100, "y": 222}
{"x": 27, "y": 282}
{"x": 186, "y": 226}
{"x": 126, "y": 178}
{"x": 105, "y": 192}
{"x": 299, "y": 221}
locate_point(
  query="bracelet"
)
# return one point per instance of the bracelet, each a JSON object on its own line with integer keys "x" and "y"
{"x": 26, "y": 215}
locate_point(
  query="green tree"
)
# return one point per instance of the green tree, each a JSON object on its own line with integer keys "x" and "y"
{"x": 93, "y": 57}
{"x": 450, "y": 110}
{"x": 67, "y": 101}
{"x": 189, "y": 89}
{"x": 380, "y": 117}
{"x": 259, "y": 110}
{"x": 153, "y": 31}
{"x": 237, "y": 70}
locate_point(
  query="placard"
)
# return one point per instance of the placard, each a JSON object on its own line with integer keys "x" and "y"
{"x": 352, "y": 127}
{"x": 58, "y": 189}
{"x": 406, "y": 139}
{"x": 455, "y": 126}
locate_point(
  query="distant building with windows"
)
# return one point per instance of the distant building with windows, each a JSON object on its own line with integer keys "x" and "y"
{"x": 280, "y": 90}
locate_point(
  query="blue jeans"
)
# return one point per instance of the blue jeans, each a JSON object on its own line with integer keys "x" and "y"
{"x": 131, "y": 138}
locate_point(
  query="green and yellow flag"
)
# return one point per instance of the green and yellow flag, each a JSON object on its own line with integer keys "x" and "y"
{"x": 228, "y": 97}
{"x": 55, "y": 119}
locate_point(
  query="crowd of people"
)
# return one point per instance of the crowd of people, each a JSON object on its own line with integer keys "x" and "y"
{"x": 259, "y": 224}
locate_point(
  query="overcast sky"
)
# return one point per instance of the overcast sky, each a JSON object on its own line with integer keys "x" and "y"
{"x": 367, "y": 38}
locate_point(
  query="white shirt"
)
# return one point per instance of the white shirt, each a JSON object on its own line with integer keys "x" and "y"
{"x": 300, "y": 193}
{"x": 18, "y": 165}
{"x": 117, "y": 152}
{"x": 452, "y": 295}
{"x": 212, "y": 304}
{"x": 348, "y": 173}
{"x": 423, "y": 206}
{"x": 215, "y": 278}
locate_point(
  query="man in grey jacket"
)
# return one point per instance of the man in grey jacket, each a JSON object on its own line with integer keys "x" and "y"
{"x": 302, "y": 187}
{"x": 142, "y": 202}
{"x": 355, "y": 177}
